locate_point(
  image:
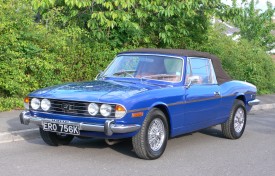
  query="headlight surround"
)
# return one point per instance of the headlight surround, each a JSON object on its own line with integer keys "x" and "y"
{"x": 35, "y": 103}
{"x": 105, "y": 110}
{"x": 93, "y": 109}
{"x": 45, "y": 104}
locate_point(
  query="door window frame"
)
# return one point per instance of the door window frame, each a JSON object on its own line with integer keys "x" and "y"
{"x": 212, "y": 73}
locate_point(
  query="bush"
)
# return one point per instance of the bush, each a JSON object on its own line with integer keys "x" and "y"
{"x": 242, "y": 60}
{"x": 10, "y": 103}
{"x": 34, "y": 55}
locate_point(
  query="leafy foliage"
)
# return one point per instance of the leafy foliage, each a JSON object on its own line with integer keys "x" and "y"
{"x": 157, "y": 23}
{"x": 242, "y": 60}
{"x": 47, "y": 42}
{"x": 33, "y": 56}
{"x": 9, "y": 103}
{"x": 255, "y": 26}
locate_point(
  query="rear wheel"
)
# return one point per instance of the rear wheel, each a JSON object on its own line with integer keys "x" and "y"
{"x": 55, "y": 139}
{"x": 151, "y": 140}
{"x": 234, "y": 127}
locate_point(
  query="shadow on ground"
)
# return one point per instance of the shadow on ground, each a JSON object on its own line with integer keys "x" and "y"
{"x": 125, "y": 147}
{"x": 212, "y": 131}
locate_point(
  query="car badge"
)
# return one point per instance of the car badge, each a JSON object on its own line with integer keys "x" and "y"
{"x": 66, "y": 107}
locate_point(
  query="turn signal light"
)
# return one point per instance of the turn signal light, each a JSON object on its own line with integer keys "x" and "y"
{"x": 120, "y": 108}
{"x": 120, "y": 111}
{"x": 137, "y": 114}
{"x": 26, "y": 100}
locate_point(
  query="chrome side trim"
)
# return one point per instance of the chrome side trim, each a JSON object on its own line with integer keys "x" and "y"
{"x": 254, "y": 102}
{"x": 231, "y": 95}
{"x": 183, "y": 102}
{"x": 137, "y": 110}
{"x": 108, "y": 128}
{"x": 177, "y": 103}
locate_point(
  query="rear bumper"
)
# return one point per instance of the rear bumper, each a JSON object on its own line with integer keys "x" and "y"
{"x": 254, "y": 102}
{"x": 108, "y": 128}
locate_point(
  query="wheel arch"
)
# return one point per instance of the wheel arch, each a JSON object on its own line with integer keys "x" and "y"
{"x": 242, "y": 98}
{"x": 166, "y": 112}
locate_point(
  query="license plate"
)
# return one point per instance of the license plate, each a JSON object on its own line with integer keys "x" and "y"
{"x": 61, "y": 128}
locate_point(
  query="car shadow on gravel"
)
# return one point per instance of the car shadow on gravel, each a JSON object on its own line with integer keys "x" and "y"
{"x": 212, "y": 131}
{"x": 124, "y": 147}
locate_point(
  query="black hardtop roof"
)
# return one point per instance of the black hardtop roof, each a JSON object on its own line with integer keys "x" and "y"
{"x": 221, "y": 75}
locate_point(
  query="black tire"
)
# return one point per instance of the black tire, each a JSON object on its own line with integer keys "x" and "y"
{"x": 54, "y": 139}
{"x": 228, "y": 129}
{"x": 140, "y": 141}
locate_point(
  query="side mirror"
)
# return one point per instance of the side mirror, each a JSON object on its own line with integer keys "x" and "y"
{"x": 195, "y": 79}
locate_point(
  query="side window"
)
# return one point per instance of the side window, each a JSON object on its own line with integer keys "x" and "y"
{"x": 201, "y": 71}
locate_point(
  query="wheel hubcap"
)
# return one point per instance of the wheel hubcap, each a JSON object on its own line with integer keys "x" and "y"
{"x": 239, "y": 120}
{"x": 156, "y": 134}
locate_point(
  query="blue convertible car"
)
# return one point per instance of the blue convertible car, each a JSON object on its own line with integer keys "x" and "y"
{"x": 148, "y": 95}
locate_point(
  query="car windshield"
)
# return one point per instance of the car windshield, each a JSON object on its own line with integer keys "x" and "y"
{"x": 162, "y": 68}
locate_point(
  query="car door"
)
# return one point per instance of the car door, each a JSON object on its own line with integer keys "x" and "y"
{"x": 202, "y": 94}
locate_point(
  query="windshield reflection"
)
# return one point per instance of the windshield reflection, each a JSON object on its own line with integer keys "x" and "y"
{"x": 161, "y": 68}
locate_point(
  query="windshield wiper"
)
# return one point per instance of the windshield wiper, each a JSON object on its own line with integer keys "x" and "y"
{"x": 156, "y": 84}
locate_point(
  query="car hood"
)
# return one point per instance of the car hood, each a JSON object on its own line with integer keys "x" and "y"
{"x": 99, "y": 91}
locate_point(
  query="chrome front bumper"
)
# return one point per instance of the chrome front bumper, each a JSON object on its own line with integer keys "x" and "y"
{"x": 254, "y": 102}
{"x": 108, "y": 128}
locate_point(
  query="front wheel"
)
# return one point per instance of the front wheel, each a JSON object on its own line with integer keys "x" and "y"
{"x": 151, "y": 140}
{"x": 234, "y": 127}
{"x": 55, "y": 139}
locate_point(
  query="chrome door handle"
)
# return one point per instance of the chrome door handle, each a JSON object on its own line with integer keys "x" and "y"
{"x": 217, "y": 93}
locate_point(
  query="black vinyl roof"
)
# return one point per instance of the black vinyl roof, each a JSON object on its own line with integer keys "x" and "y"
{"x": 221, "y": 75}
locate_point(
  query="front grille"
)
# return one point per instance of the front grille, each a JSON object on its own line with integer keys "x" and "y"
{"x": 69, "y": 107}
{"x": 75, "y": 108}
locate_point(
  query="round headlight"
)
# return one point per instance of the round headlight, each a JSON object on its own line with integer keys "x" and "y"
{"x": 93, "y": 109}
{"x": 105, "y": 110}
{"x": 35, "y": 103}
{"x": 45, "y": 104}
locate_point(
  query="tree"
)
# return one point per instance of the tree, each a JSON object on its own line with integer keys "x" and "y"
{"x": 125, "y": 23}
{"x": 255, "y": 26}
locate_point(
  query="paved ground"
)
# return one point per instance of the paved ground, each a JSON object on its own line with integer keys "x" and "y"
{"x": 202, "y": 153}
{"x": 267, "y": 102}
{"x": 12, "y": 130}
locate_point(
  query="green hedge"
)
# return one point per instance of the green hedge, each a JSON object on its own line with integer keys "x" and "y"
{"x": 9, "y": 103}
{"x": 35, "y": 55}
{"x": 242, "y": 60}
